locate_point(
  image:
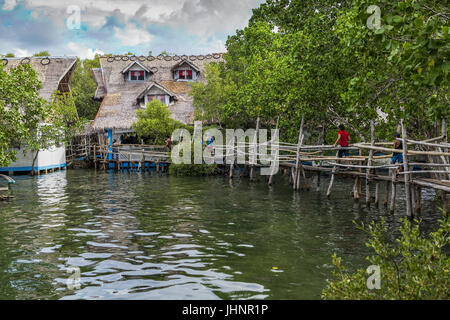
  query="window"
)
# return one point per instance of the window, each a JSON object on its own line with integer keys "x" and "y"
{"x": 160, "y": 97}
{"x": 185, "y": 74}
{"x": 137, "y": 75}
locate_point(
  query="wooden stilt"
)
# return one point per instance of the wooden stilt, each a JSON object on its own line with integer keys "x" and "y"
{"x": 271, "y": 174}
{"x": 409, "y": 212}
{"x": 369, "y": 162}
{"x": 318, "y": 182}
{"x": 377, "y": 194}
{"x": 356, "y": 193}
{"x": 413, "y": 199}
{"x": 419, "y": 200}
{"x": 331, "y": 182}
{"x": 231, "y": 169}
{"x": 386, "y": 199}
{"x": 297, "y": 160}
{"x": 254, "y": 157}
{"x": 292, "y": 176}
{"x": 333, "y": 172}
{"x": 393, "y": 191}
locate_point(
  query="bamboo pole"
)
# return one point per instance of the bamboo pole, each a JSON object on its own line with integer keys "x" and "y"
{"x": 333, "y": 172}
{"x": 95, "y": 157}
{"x": 444, "y": 135}
{"x": 254, "y": 147}
{"x": 369, "y": 162}
{"x": 411, "y": 152}
{"x": 271, "y": 173}
{"x": 297, "y": 160}
{"x": 393, "y": 190}
{"x": 409, "y": 212}
{"x": 386, "y": 199}
{"x": 377, "y": 193}
{"x": 318, "y": 182}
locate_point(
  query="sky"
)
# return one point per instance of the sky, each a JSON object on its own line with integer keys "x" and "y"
{"x": 84, "y": 28}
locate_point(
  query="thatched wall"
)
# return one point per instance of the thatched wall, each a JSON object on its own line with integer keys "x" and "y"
{"x": 118, "y": 109}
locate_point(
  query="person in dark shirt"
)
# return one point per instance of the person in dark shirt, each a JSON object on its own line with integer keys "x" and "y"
{"x": 115, "y": 150}
{"x": 397, "y": 157}
{"x": 169, "y": 143}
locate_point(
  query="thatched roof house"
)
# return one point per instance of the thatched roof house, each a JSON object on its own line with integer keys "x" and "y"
{"x": 55, "y": 73}
{"x": 127, "y": 83}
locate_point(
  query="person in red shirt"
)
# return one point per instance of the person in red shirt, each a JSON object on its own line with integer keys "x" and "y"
{"x": 343, "y": 139}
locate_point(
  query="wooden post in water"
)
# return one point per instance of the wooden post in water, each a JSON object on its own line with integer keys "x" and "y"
{"x": 129, "y": 162}
{"x": 356, "y": 189}
{"x": 333, "y": 172}
{"x": 393, "y": 190}
{"x": 444, "y": 139}
{"x": 409, "y": 212}
{"x": 369, "y": 162}
{"x": 377, "y": 193}
{"x": 297, "y": 160}
{"x": 386, "y": 199}
{"x": 255, "y": 151}
{"x": 95, "y": 157}
{"x": 419, "y": 200}
{"x": 271, "y": 138}
{"x": 143, "y": 162}
{"x": 318, "y": 181}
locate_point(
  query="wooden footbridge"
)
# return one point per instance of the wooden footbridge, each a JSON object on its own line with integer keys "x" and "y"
{"x": 425, "y": 165}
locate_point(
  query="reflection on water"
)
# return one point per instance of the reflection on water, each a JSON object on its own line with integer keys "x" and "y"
{"x": 140, "y": 236}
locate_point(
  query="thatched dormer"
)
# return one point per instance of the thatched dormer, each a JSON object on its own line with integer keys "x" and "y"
{"x": 124, "y": 83}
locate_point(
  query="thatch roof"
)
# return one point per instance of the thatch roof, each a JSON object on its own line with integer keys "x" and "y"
{"x": 185, "y": 61}
{"x": 157, "y": 85}
{"x": 118, "y": 108}
{"x": 55, "y": 73}
{"x": 98, "y": 77}
{"x": 133, "y": 64}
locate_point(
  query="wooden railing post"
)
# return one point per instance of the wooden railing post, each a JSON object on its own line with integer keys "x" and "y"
{"x": 369, "y": 162}
{"x": 297, "y": 160}
{"x": 409, "y": 212}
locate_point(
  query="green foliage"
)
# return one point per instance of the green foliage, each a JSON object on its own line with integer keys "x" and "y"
{"x": 154, "y": 123}
{"x": 42, "y": 54}
{"x": 209, "y": 98}
{"x": 83, "y": 88}
{"x": 414, "y": 267}
{"x": 28, "y": 120}
{"x": 166, "y": 53}
{"x": 319, "y": 58}
{"x": 193, "y": 170}
{"x": 8, "y": 55}
{"x": 402, "y": 66}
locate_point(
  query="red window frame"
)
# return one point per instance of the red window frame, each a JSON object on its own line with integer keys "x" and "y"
{"x": 185, "y": 74}
{"x": 137, "y": 75}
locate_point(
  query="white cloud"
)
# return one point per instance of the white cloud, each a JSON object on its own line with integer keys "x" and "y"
{"x": 82, "y": 52}
{"x": 22, "y": 52}
{"x": 132, "y": 36}
{"x": 9, "y": 5}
